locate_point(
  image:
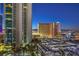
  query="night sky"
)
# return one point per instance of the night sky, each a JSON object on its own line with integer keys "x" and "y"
{"x": 1, "y": 8}
{"x": 66, "y": 14}
{"x": 1, "y": 21}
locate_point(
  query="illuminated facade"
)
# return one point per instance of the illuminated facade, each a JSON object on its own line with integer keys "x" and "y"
{"x": 18, "y": 23}
{"x": 35, "y": 34}
{"x": 49, "y": 30}
{"x": 8, "y": 12}
{"x": 76, "y": 36}
{"x": 44, "y": 29}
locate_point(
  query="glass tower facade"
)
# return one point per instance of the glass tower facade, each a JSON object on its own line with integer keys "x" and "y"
{"x": 17, "y": 23}
{"x": 8, "y": 12}
{"x": 14, "y": 22}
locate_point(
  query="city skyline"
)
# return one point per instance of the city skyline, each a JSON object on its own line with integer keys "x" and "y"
{"x": 39, "y": 29}
{"x": 66, "y": 14}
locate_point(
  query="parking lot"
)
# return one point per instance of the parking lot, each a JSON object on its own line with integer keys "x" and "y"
{"x": 58, "y": 48}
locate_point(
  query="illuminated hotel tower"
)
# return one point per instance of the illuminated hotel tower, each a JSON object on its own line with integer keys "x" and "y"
{"x": 58, "y": 25}
{"x": 18, "y": 22}
{"x": 50, "y": 30}
{"x": 23, "y": 23}
{"x": 55, "y": 29}
{"x": 8, "y": 13}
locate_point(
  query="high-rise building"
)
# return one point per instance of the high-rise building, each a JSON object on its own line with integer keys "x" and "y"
{"x": 23, "y": 23}
{"x": 18, "y": 23}
{"x": 58, "y": 25}
{"x": 1, "y": 23}
{"x": 49, "y": 30}
{"x": 27, "y": 24}
{"x": 1, "y": 29}
{"x": 8, "y": 16}
{"x": 44, "y": 29}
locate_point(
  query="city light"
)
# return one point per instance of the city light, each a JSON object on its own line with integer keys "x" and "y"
{"x": 28, "y": 29}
